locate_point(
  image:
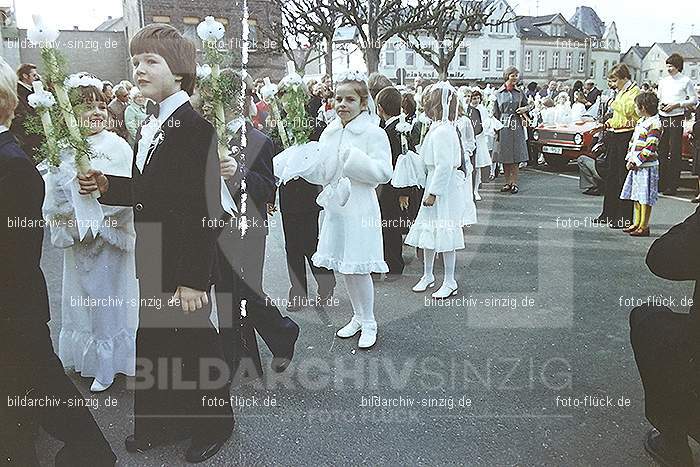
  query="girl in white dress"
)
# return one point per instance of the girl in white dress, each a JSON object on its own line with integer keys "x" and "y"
{"x": 483, "y": 156}
{"x": 354, "y": 158}
{"x": 438, "y": 226}
{"x": 100, "y": 296}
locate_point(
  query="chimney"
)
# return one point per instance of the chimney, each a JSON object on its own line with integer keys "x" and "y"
{"x": 76, "y": 28}
{"x": 108, "y": 18}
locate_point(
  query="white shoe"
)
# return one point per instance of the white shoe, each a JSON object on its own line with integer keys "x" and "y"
{"x": 349, "y": 329}
{"x": 98, "y": 387}
{"x": 424, "y": 284}
{"x": 477, "y": 196}
{"x": 447, "y": 290}
{"x": 368, "y": 337}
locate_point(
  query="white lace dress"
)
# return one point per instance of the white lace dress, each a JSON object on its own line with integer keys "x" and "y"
{"x": 99, "y": 306}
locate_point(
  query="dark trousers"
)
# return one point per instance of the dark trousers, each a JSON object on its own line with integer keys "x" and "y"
{"x": 300, "y": 243}
{"x": 664, "y": 349}
{"x": 29, "y": 367}
{"x": 670, "y": 153}
{"x": 391, "y": 233}
{"x": 179, "y": 362}
{"x": 279, "y": 332}
{"x": 614, "y": 209}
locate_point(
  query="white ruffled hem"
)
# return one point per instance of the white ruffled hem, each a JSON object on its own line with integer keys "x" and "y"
{"x": 345, "y": 267}
{"x": 438, "y": 239}
{"x": 101, "y": 359}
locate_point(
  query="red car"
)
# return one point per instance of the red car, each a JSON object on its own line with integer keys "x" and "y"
{"x": 562, "y": 143}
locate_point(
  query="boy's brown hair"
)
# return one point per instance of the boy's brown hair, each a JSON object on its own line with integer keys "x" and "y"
{"x": 647, "y": 101}
{"x": 178, "y": 52}
{"x": 390, "y": 101}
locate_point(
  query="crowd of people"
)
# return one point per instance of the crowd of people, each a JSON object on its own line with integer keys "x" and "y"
{"x": 396, "y": 165}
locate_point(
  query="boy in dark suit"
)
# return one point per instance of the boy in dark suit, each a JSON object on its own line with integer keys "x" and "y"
{"x": 393, "y": 202}
{"x": 175, "y": 192}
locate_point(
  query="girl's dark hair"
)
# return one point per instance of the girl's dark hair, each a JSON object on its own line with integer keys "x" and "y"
{"x": 648, "y": 101}
{"x": 91, "y": 94}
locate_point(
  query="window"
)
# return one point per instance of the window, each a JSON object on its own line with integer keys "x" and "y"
{"x": 486, "y": 60}
{"x": 464, "y": 57}
{"x": 189, "y": 30}
{"x": 555, "y": 60}
{"x": 252, "y": 34}
{"x": 605, "y": 68}
{"x": 528, "y": 60}
{"x": 161, "y": 19}
{"x": 694, "y": 73}
{"x": 390, "y": 55}
{"x": 543, "y": 60}
{"x": 511, "y": 58}
{"x": 569, "y": 60}
{"x": 581, "y": 62}
{"x": 410, "y": 58}
{"x": 592, "y": 69}
{"x": 499, "y": 60}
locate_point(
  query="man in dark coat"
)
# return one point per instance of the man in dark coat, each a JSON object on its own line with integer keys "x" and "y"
{"x": 29, "y": 142}
{"x": 667, "y": 349}
{"x": 31, "y": 371}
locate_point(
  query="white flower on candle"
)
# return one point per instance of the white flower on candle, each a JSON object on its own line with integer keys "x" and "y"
{"x": 403, "y": 126}
{"x": 41, "y": 33}
{"x": 41, "y": 99}
{"x": 424, "y": 119}
{"x": 210, "y": 29}
{"x": 203, "y": 71}
{"x": 269, "y": 90}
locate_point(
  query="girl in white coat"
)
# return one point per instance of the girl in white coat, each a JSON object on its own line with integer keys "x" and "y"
{"x": 438, "y": 226}
{"x": 355, "y": 159}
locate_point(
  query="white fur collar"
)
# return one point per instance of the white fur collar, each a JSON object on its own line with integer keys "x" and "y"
{"x": 358, "y": 125}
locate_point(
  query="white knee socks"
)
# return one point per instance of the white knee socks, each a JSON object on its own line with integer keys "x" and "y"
{"x": 477, "y": 181}
{"x": 361, "y": 291}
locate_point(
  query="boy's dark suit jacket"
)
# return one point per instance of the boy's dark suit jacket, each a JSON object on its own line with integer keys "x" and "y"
{"x": 179, "y": 191}
{"x": 29, "y": 363}
{"x": 388, "y": 195}
{"x": 29, "y": 142}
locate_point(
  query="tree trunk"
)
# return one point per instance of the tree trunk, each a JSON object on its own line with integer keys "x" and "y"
{"x": 329, "y": 57}
{"x": 372, "y": 59}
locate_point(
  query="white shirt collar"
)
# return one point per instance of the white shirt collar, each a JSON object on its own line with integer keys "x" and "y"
{"x": 170, "y": 104}
{"x": 3, "y": 129}
{"x": 391, "y": 120}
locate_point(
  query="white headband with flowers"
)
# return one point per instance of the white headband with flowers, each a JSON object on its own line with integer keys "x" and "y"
{"x": 82, "y": 80}
{"x": 352, "y": 75}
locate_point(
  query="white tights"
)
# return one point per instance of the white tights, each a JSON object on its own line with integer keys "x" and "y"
{"x": 361, "y": 291}
{"x": 449, "y": 259}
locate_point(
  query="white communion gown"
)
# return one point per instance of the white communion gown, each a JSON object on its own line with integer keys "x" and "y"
{"x": 439, "y": 227}
{"x": 100, "y": 293}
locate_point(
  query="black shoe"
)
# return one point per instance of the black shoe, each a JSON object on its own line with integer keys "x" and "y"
{"x": 696, "y": 199}
{"x": 667, "y": 454}
{"x": 201, "y": 450}
{"x": 282, "y": 361}
{"x": 592, "y": 192}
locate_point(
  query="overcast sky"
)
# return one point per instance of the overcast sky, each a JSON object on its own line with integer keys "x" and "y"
{"x": 642, "y": 21}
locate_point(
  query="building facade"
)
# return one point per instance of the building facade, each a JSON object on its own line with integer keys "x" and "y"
{"x": 634, "y": 59}
{"x": 553, "y": 49}
{"x": 185, "y": 15}
{"x": 604, "y": 41}
{"x": 481, "y": 57}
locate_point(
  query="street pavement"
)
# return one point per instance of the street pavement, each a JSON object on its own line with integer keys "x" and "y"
{"x": 506, "y": 373}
